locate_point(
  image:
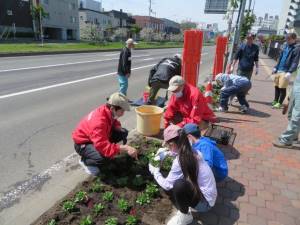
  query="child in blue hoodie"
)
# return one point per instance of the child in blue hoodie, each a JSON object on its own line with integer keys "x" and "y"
{"x": 211, "y": 153}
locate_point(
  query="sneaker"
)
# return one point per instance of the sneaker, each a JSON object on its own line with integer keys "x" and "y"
{"x": 221, "y": 109}
{"x": 274, "y": 103}
{"x": 244, "y": 109}
{"x": 91, "y": 170}
{"x": 181, "y": 219}
{"x": 279, "y": 144}
{"x": 277, "y": 106}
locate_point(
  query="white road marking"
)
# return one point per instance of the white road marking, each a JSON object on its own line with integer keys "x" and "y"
{"x": 65, "y": 83}
{"x": 65, "y": 64}
{"x": 112, "y": 54}
{"x": 147, "y": 59}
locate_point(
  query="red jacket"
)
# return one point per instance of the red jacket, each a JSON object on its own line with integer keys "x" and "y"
{"x": 96, "y": 128}
{"x": 192, "y": 106}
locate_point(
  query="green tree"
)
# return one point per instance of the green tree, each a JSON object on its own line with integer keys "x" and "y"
{"x": 38, "y": 14}
{"x": 135, "y": 30}
{"x": 187, "y": 25}
{"x": 249, "y": 20}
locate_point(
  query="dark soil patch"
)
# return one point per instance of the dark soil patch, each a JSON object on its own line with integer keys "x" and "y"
{"x": 127, "y": 179}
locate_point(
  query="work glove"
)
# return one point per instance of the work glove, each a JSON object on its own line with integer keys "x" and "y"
{"x": 287, "y": 76}
{"x": 153, "y": 170}
{"x": 231, "y": 69}
{"x": 256, "y": 71}
{"x": 161, "y": 154}
{"x": 274, "y": 70}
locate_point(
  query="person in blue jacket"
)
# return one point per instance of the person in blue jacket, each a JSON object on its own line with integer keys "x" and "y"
{"x": 233, "y": 85}
{"x": 211, "y": 153}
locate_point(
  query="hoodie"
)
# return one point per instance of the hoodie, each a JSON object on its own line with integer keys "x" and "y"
{"x": 213, "y": 156}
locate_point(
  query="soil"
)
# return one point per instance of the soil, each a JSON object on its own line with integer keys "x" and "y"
{"x": 122, "y": 166}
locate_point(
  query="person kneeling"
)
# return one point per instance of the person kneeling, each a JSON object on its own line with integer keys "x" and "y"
{"x": 191, "y": 180}
{"x": 96, "y": 136}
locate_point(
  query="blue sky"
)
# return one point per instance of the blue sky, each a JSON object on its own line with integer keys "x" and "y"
{"x": 186, "y": 9}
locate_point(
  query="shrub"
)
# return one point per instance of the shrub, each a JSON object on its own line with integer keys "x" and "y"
{"x": 96, "y": 187}
{"x": 122, "y": 181}
{"x": 138, "y": 181}
{"x": 108, "y": 196}
{"x": 111, "y": 221}
{"x": 123, "y": 205}
{"x": 52, "y": 222}
{"x": 80, "y": 196}
{"x": 98, "y": 208}
{"x": 131, "y": 220}
{"x": 86, "y": 220}
{"x": 152, "y": 190}
{"x": 143, "y": 199}
{"x": 69, "y": 206}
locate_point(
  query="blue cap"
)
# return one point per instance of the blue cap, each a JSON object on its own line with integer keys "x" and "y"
{"x": 191, "y": 128}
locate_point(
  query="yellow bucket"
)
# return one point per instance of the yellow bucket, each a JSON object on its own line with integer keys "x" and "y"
{"x": 148, "y": 119}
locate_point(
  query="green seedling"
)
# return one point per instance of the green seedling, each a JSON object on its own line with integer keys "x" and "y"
{"x": 152, "y": 190}
{"x": 52, "y": 222}
{"x": 97, "y": 187}
{"x": 108, "y": 196}
{"x": 143, "y": 199}
{"x": 167, "y": 163}
{"x": 80, "y": 196}
{"x": 131, "y": 220}
{"x": 69, "y": 206}
{"x": 86, "y": 220}
{"x": 111, "y": 221}
{"x": 98, "y": 208}
{"x": 123, "y": 205}
{"x": 122, "y": 181}
{"x": 138, "y": 181}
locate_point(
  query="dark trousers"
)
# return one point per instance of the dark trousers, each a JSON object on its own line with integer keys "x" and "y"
{"x": 280, "y": 94}
{"x": 184, "y": 195}
{"x": 239, "y": 91}
{"x": 244, "y": 73}
{"x": 155, "y": 87}
{"x": 89, "y": 154}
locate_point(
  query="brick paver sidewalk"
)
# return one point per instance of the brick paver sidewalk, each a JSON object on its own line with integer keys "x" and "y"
{"x": 264, "y": 182}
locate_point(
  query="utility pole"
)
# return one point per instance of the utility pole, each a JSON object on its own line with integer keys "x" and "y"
{"x": 150, "y": 10}
{"x": 41, "y": 28}
{"x": 238, "y": 27}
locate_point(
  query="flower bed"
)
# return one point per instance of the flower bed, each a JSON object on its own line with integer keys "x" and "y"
{"x": 125, "y": 193}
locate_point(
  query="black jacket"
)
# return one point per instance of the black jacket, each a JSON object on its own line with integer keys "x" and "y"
{"x": 165, "y": 70}
{"x": 124, "y": 66}
{"x": 292, "y": 61}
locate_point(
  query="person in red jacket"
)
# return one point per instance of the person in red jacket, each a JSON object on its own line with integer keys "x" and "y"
{"x": 187, "y": 105}
{"x": 97, "y": 134}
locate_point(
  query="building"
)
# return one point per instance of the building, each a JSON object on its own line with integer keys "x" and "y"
{"x": 15, "y": 18}
{"x": 120, "y": 19}
{"x": 62, "y": 21}
{"x": 90, "y": 4}
{"x": 289, "y": 16}
{"x": 171, "y": 27}
{"x": 156, "y": 24}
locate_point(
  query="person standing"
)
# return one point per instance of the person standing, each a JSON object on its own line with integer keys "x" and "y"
{"x": 287, "y": 64}
{"x": 247, "y": 55}
{"x": 124, "y": 67}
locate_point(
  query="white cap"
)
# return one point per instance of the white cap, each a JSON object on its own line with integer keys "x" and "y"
{"x": 175, "y": 82}
{"x": 118, "y": 99}
{"x": 131, "y": 41}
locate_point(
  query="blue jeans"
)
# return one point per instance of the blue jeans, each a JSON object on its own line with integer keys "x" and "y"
{"x": 292, "y": 131}
{"x": 239, "y": 91}
{"x": 123, "y": 82}
{"x": 202, "y": 206}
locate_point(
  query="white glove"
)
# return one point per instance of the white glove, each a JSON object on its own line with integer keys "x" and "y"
{"x": 231, "y": 69}
{"x": 287, "y": 76}
{"x": 153, "y": 170}
{"x": 161, "y": 154}
{"x": 274, "y": 70}
{"x": 256, "y": 71}
{"x": 223, "y": 88}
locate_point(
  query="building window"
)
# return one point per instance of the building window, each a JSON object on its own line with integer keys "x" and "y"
{"x": 72, "y": 6}
{"x": 72, "y": 19}
{"x": 9, "y": 12}
{"x": 81, "y": 17}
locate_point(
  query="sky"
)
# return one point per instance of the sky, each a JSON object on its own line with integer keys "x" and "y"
{"x": 193, "y": 10}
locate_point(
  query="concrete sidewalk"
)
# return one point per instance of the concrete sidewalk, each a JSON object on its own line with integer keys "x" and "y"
{"x": 264, "y": 182}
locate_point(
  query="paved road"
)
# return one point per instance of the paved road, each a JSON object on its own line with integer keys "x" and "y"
{"x": 43, "y": 97}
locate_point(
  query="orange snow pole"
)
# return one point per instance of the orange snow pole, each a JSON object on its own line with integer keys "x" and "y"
{"x": 191, "y": 57}
{"x": 208, "y": 94}
{"x": 221, "y": 44}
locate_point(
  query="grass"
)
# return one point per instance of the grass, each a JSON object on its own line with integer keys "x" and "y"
{"x": 79, "y": 46}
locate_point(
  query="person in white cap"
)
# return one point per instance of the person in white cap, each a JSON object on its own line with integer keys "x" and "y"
{"x": 187, "y": 105}
{"x": 96, "y": 136}
{"x": 161, "y": 74}
{"x": 124, "y": 67}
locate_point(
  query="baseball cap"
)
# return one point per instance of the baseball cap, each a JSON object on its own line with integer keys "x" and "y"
{"x": 191, "y": 128}
{"x": 118, "y": 99}
{"x": 175, "y": 82}
{"x": 131, "y": 41}
{"x": 177, "y": 55}
{"x": 171, "y": 132}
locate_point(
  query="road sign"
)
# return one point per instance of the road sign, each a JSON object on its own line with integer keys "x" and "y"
{"x": 216, "y": 6}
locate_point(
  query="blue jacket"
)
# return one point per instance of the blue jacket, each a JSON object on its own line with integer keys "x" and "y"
{"x": 292, "y": 60}
{"x": 213, "y": 156}
{"x": 228, "y": 80}
{"x": 247, "y": 55}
